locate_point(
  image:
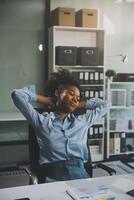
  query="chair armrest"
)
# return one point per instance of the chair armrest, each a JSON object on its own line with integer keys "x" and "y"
{"x": 106, "y": 168}
{"x": 32, "y": 176}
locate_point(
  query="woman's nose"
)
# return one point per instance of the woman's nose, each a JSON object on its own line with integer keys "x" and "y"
{"x": 75, "y": 99}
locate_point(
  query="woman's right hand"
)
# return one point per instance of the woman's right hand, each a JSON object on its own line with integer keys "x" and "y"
{"x": 49, "y": 101}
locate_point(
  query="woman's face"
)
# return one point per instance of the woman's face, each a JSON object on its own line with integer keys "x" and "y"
{"x": 69, "y": 99}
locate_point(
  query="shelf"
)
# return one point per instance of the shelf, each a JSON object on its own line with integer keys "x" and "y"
{"x": 11, "y": 116}
{"x": 128, "y": 152}
{"x": 74, "y": 28}
{"x": 122, "y": 83}
{"x": 92, "y": 139}
{"x": 121, "y": 113}
{"x": 119, "y": 107}
{"x": 120, "y": 117}
{"x": 118, "y": 131}
{"x": 91, "y": 85}
{"x": 78, "y": 67}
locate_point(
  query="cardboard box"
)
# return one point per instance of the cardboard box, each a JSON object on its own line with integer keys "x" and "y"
{"x": 63, "y": 16}
{"x": 87, "y": 18}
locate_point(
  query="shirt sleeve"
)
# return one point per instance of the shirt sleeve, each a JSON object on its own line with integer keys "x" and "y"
{"x": 96, "y": 108}
{"x": 22, "y": 99}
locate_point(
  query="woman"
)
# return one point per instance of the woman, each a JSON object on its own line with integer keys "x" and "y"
{"x": 62, "y": 136}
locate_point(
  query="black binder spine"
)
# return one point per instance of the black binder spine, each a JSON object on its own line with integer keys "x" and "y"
{"x": 123, "y": 142}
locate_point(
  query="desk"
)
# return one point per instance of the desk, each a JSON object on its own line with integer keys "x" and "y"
{"x": 57, "y": 190}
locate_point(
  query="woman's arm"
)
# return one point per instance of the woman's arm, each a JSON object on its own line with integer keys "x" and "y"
{"x": 22, "y": 99}
{"x": 98, "y": 108}
{"x": 95, "y": 103}
{"x": 49, "y": 101}
{"x": 82, "y": 104}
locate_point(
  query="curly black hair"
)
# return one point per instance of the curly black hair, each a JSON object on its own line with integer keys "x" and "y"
{"x": 60, "y": 80}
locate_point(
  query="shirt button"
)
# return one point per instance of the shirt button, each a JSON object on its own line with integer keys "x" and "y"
{"x": 45, "y": 114}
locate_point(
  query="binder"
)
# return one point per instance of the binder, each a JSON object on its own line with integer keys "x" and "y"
{"x": 95, "y": 131}
{"x": 90, "y": 132}
{"x": 101, "y": 77}
{"x": 91, "y": 94}
{"x": 75, "y": 75}
{"x": 96, "y": 93}
{"x": 101, "y": 131}
{"x": 86, "y": 77}
{"x": 81, "y": 77}
{"x": 101, "y": 95}
{"x": 91, "y": 77}
{"x": 123, "y": 142}
{"x": 96, "y": 77}
{"x": 130, "y": 126}
{"x": 115, "y": 143}
{"x": 87, "y": 94}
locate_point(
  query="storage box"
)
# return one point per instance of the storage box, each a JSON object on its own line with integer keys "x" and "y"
{"x": 66, "y": 55}
{"x": 87, "y": 18}
{"x": 63, "y": 16}
{"x": 87, "y": 56}
{"x": 118, "y": 97}
{"x": 124, "y": 77}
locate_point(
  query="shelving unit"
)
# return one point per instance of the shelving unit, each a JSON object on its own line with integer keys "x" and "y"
{"x": 91, "y": 77}
{"x": 120, "y": 119}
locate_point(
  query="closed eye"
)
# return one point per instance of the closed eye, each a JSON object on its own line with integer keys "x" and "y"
{"x": 72, "y": 93}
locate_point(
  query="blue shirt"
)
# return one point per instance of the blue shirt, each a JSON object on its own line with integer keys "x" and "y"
{"x": 58, "y": 139}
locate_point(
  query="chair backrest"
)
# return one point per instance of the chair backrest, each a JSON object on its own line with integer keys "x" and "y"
{"x": 88, "y": 164}
{"x": 34, "y": 151}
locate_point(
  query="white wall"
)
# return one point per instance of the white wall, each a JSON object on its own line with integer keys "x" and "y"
{"x": 116, "y": 17}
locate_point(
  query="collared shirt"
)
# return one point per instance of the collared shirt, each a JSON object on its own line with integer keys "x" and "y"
{"x": 59, "y": 139}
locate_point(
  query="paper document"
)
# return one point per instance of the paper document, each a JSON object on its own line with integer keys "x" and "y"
{"x": 124, "y": 184}
{"x": 81, "y": 193}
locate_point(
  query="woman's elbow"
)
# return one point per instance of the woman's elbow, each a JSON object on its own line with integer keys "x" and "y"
{"x": 14, "y": 93}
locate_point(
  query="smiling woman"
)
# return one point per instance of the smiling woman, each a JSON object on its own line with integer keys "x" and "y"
{"x": 61, "y": 135}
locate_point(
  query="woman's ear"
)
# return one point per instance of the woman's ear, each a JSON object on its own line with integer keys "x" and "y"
{"x": 59, "y": 90}
{"x": 57, "y": 93}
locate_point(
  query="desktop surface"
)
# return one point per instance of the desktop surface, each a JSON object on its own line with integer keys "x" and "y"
{"x": 57, "y": 190}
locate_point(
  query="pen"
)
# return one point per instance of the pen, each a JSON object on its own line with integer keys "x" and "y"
{"x": 70, "y": 195}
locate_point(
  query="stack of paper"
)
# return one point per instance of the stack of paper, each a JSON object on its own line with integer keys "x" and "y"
{"x": 101, "y": 193}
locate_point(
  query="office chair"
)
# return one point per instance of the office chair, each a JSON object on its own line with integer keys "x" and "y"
{"x": 34, "y": 157}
